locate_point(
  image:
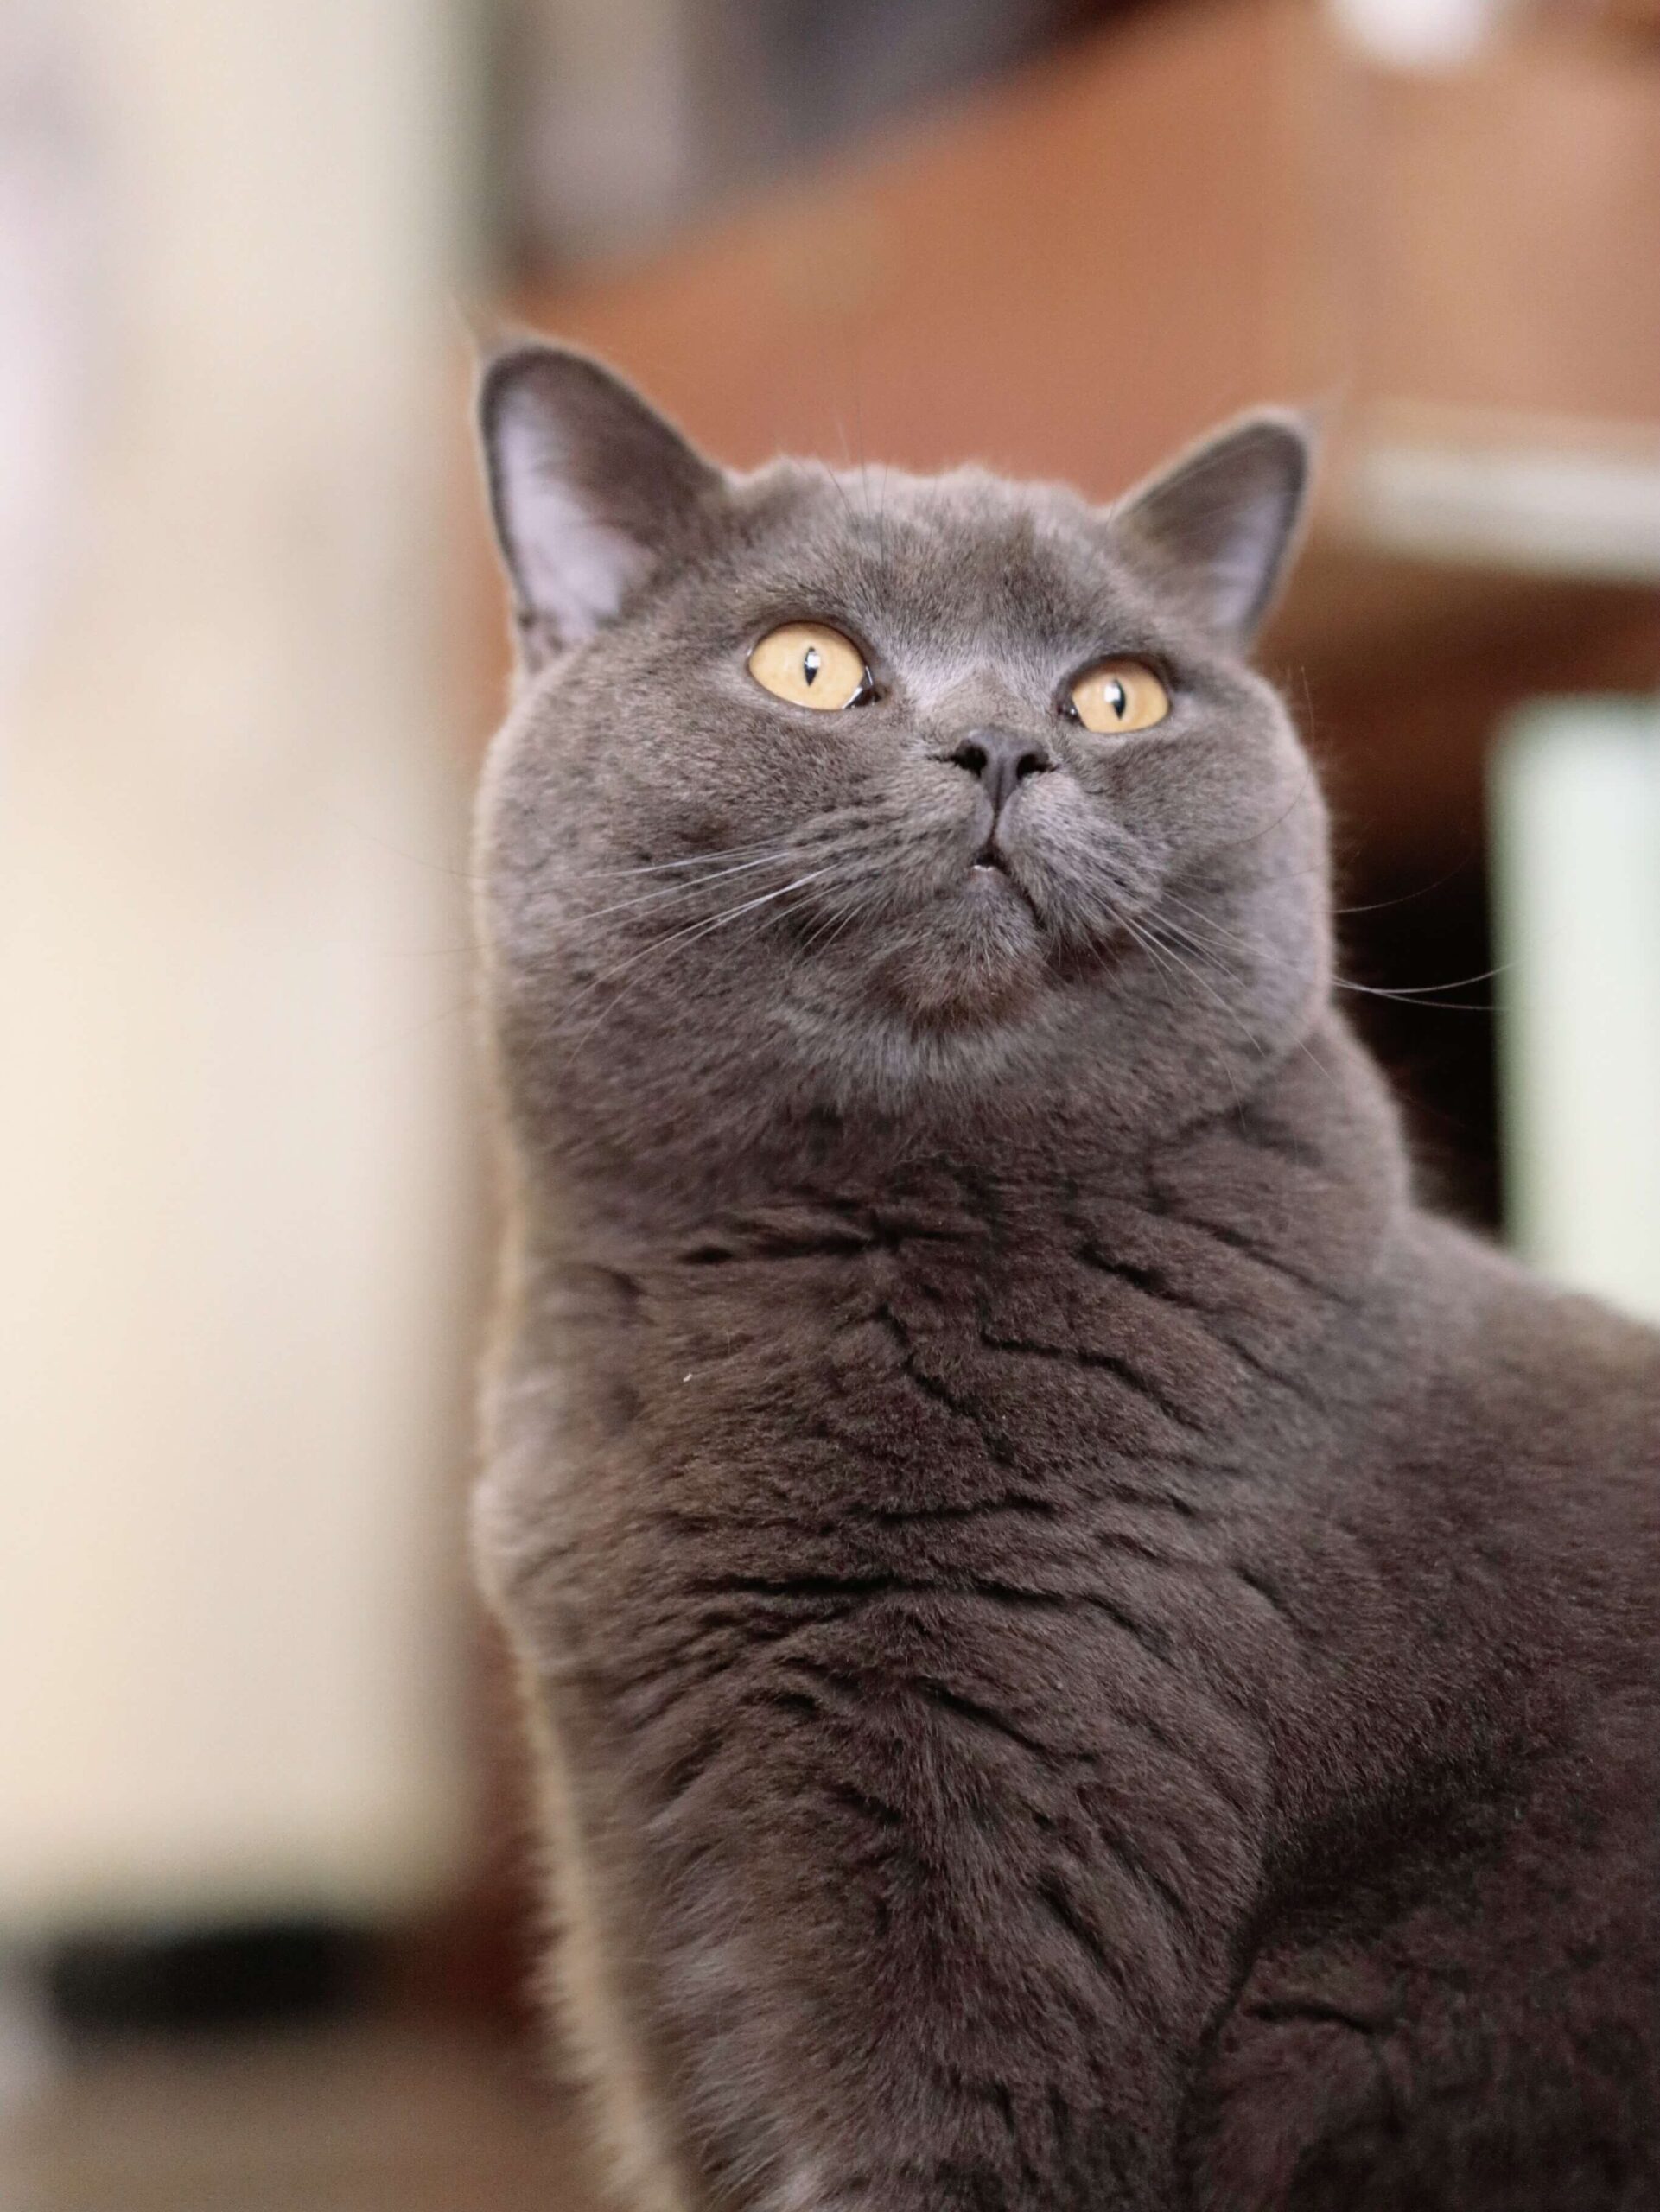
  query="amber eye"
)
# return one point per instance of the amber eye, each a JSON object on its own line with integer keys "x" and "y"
{"x": 810, "y": 665}
{"x": 1118, "y": 695}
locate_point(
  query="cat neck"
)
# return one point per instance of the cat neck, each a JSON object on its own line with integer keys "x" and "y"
{"x": 1312, "y": 1159}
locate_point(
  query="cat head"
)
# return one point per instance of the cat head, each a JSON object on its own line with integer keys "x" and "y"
{"x": 840, "y": 793}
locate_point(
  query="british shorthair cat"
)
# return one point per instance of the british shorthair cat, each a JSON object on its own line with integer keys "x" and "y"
{"x": 1087, "y": 1651}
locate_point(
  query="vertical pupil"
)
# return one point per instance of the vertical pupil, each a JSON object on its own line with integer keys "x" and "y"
{"x": 809, "y": 663}
{"x": 1117, "y": 698}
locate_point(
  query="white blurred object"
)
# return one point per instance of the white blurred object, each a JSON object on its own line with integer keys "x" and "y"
{"x": 234, "y": 1250}
{"x": 1554, "y": 505}
{"x": 1576, "y": 825}
{"x": 1425, "y": 35}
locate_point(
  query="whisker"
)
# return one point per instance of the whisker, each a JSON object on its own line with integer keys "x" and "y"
{"x": 1161, "y": 956}
{"x": 398, "y": 852}
{"x": 1210, "y": 953}
{"x": 1424, "y": 995}
{"x": 686, "y": 890}
{"x": 833, "y": 480}
{"x": 1191, "y": 968}
{"x": 686, "y": 936}
{"x": 1404, "y": 897}
{"x": 1309, "y": 783}
{"x": 1228, "y": 937}
{"x": 1427, "y": 995}
{"x": 659, "y": 867}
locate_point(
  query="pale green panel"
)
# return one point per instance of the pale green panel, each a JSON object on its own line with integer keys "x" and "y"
{"x": 1576, "y": 832}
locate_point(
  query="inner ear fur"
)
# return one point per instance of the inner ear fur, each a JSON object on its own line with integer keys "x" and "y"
{"x": 590, "y": 490}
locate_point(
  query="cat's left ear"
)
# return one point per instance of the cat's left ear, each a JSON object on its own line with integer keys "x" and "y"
{"x": 1220, "y": 525}
{"x": 590, "y": 490}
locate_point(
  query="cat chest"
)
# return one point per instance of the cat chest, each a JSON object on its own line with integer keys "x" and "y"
{"x": 936, "y": 1380}
{"x": 861, "y": 1485}
{"x": 1068, "y": 1446}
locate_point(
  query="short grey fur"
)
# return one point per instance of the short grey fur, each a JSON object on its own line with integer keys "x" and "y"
{"x": 1087, "y": 1650}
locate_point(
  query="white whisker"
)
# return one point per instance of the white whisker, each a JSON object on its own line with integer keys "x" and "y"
{"x": 686, "y": 935}
{"x": 686, "y": 890}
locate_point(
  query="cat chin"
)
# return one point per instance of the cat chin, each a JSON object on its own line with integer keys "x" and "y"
{"x": 972, "y": 961}
{"x": 951, "y": 997}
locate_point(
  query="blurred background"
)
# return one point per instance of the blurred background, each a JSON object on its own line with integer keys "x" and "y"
{"x": 266, "y": 1913}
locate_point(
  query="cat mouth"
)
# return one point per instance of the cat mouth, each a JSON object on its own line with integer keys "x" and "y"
{"x": 994, "y": 870}
{"x": 991, "y": 859}
{"x": 992, "y": 878}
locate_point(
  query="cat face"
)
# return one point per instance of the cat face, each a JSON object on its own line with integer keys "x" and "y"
{"x": 826, "y": 789}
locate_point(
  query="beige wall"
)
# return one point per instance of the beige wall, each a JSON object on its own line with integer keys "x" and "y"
{"x": 235, "y": 1244}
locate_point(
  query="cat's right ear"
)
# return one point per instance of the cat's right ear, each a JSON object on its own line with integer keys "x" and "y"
{"x": 590, "y": 489}
{"x": 1220, "y": 525}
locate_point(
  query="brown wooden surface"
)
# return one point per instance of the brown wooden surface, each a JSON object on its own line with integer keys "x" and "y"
{"x": 1066, "y": 277}
{"x": 1210, "y": 205}
{"x": 1400, "y": 672}
{"x": 1511, "y": 233}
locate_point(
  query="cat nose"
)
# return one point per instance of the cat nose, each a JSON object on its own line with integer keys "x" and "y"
{"x": 1002, "y": 760}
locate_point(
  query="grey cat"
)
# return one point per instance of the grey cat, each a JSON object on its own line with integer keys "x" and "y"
{"x": 1089, "y": 1652}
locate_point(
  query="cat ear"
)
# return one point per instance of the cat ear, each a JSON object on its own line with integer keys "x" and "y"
{"x": 590, "y": 490}
{"x": 1221, "y": 523}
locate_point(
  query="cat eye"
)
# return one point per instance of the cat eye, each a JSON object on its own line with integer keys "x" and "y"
{"x": 1116, "y": 695}
{"x": 810, "y": 665}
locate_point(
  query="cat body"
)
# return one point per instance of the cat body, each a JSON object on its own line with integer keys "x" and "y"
{"x": 1087, "y": 1650}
